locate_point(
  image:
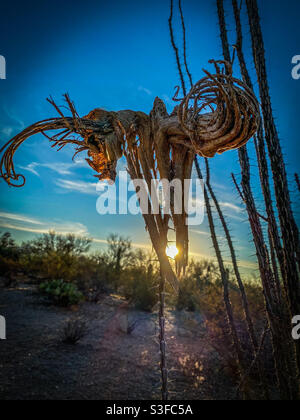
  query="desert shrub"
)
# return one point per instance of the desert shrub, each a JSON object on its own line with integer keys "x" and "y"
{"x": 105, "y": 276}
{"x": 9, "y": 259}
{"x": 9, "y": 269}
{"x": 53, "y": 256}
{"x": 139, "y": 286}
{"x": 199, "y": 288}
{"x": 61, "y": 293}
{"x": 188, "y": 297}
{"x": 9, "y": 250}
{"x": 61, "y": 244}
{"x": 202, "y": 290}
{"x": 92, "y": 276}
{"x": 74, "y": 331}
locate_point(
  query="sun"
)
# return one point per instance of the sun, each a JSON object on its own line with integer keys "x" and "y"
{"x": 172, "y": 251}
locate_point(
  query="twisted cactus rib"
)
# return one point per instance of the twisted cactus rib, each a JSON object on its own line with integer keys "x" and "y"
{"x": 60, "y": 140}
{"x": 233, "y": 119}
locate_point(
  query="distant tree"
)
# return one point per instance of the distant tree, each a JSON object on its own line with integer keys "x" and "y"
{"x": 55, "y": 243}
{"x": 119, "y": 251}
{"x": 54, "y": 256}
{"x": 8, "y": 247}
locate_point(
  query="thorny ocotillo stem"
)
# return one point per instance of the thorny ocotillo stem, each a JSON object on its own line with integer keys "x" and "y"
{"x": 175, "y": 48}
{"x": 184, "y": 44}
{"x": 288, "y": 254}
{"x": 246, "y": 308}
{"x": 225, "y": 281}
{"x": 162, "y": 338}
{"x": 223, "y": 30}
{"x": 260, "y": 149}
{"x": 246, "y": 193}
{"x": 289, "y": 229}
{"x": 257, "y": 356}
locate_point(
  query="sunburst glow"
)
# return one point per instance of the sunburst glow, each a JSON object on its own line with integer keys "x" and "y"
{"x": 172, "y": 251}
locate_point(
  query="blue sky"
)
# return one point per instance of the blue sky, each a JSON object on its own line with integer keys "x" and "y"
{"x": 117, "y": 55}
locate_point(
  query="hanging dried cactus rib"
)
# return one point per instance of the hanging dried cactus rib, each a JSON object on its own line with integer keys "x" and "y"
{"x": 231, "y": 122}
{"x": 84, "y": 128}
{"x": 155, "y": 146}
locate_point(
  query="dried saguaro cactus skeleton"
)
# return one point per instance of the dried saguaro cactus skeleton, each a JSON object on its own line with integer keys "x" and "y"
{"x": 219, "y": 113}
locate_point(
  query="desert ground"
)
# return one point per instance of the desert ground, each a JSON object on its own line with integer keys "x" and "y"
{"x": 118, "y": 359}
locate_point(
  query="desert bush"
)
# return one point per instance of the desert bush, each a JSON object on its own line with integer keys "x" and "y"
{"x": 60, "y": 244}
{"x": 9, "y": 270}
{"x": 8, "y": 247}
{"x": 200, "y": 288}
{"x": 52, "y": 256}
{"x": 189, "y": 295}
{"x": 92, "y": 276}
{"x": 139, "y": 283}
{"x": 74, "y": 331}
{"x": 9, "y": 259}
{"x": 61, "y": 293}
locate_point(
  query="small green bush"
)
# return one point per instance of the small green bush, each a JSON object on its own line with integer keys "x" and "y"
{"x": 140, "y": 287}
{"x": 198, "y": 286}
{"x": 61, "y": 293}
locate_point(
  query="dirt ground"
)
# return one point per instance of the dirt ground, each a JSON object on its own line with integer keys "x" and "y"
{"x": 108, "y": 363}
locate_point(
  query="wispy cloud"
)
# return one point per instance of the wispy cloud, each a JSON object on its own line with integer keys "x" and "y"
{"x": 23, "y": 223}
{"x": 31, "y": 225}
{"x": 168, "y": 100}
{"x": 82, "y": 187}
{"x": 219, "y": 186}
{"x": 204, "y": 233}
{"x": 249, "y": 265}
{"x": 19, "y": 218}
{"x": 238, "y": 218}
{"x": 232, "y": 206}
{"x": 134, "y": 244}
{"x": 7, "y": 131}
{"x": 10, "y": 123}
{"x": 63, "y": 229}
{"x": 145, "y": 90}
{"x": 31, "y": 168}
{"x": 200, "y": 232}
{"x": 58, "y": 167}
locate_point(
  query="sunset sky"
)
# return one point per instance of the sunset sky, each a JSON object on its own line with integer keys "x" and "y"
{"x": 117, "y": 55}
